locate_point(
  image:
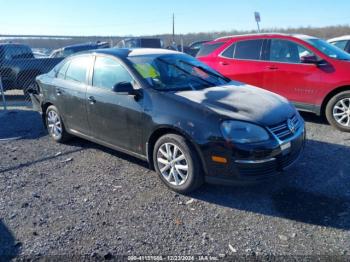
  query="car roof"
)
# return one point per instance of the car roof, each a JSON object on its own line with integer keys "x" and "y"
{"x": 300, "y": 36}
{"x": 130, "y": 52}
{"x": 133, "y": 38}
{"x": 13, "y": 44}
{"x": 340, "y": 38}
{"x": 82, "y": 45}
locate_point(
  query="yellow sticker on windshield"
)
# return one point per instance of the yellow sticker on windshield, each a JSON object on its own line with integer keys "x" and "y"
{"x": 147, "y": 70}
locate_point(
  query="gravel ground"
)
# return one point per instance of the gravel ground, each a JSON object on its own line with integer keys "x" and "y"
{"x": 86, "y": 200}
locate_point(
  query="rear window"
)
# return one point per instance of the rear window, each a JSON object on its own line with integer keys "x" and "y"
{"x": 17, "y": 52}
{"x": 153, "y": 43}
{"x": 207, "y": 49}
{"x": 249, "y": 50}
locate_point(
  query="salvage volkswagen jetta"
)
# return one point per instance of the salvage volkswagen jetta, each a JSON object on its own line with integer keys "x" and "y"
{"x": 188, "y": 121}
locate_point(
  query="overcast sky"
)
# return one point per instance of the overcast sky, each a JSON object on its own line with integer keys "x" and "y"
{"x": 147, "y": 17}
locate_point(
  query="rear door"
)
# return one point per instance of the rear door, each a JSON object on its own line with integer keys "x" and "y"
{"x": 285, "y": 74}
{"x": 242, "y": 61}
{"x": 70, "y": 88}
{"x": 114, "y": 118}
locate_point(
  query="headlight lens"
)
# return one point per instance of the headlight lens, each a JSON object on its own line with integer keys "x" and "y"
{"x": 243, "y": 132}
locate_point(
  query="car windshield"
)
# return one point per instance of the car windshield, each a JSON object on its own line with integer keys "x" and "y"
{"x": 328, "y": 49}
{"x": 176, "y": 72}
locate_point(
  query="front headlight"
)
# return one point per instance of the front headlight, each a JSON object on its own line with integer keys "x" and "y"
{"x": 243, "y": 132}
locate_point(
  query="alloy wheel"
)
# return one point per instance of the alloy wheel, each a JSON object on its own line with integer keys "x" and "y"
{"x": 341, "y": 112}
{"x": 172, "y": 164}
{"x": 54, "y": 124}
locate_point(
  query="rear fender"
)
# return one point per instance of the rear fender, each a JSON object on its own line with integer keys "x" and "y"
{"x": 36, "y": 100}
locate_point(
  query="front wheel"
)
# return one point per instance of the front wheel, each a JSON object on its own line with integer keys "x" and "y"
{"x": 338, "y": 111}
{"x": 177, "y": 163}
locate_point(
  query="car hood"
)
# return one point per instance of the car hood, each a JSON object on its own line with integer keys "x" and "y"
{"x": 242, "y": 102}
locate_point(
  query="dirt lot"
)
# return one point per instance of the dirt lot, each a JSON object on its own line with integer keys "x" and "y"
{"x": 86, "y": 200}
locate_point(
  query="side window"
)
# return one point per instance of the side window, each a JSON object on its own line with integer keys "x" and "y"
{"x": 18, "y": 52}
{"x": 78, "y": 68}
{"x": 340, "y": 44}
{"x": 249, "y": 50}
{"x": 62, "y": 71}
{"x": 108, "y": 73}
{"x": 287, "y": 52}
{"x": 228, "y": 53}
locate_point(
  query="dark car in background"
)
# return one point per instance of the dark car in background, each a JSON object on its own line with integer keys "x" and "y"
{"x": 194, "y": 47}
{"x": 19, "y": 67}
{"x": 72, "y": 49}
{"x": 140, "y": 42}
{"x": 189, "y": 122}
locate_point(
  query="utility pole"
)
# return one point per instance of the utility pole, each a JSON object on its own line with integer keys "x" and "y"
{"x": 3, "y": 94}
{"x": 173, "y": 28}
{"x": 257, "y": 19}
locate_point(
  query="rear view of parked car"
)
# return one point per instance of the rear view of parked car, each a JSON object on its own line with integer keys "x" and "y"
{"x": 310, "y": 72}
{"x": 72, "y": 49}
{"x": 342, "y": 42}
{"x": 140, "y": 42}
{"x": 188, "y": 121}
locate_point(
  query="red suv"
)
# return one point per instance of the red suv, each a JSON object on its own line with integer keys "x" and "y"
{"x": 310, "y": 72}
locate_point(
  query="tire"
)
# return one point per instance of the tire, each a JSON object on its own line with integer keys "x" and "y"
{"x": 338, "y": 111}
{"x": 176, "y": 177}
{"x": 55, "y": 126}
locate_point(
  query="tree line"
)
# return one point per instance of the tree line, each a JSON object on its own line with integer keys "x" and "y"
{"x": 54, "y": 42}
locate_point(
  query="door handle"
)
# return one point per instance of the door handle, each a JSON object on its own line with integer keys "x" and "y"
{"x": 92, "y": 100}
{"x": 224, "y": 63}
{"x": 272, "y": 67}
{"x": 58, "y": 91}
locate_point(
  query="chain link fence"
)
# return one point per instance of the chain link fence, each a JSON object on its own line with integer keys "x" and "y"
{"x": 23, "y": 58}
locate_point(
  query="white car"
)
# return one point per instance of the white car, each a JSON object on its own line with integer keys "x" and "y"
{"x": 343, "y": 42}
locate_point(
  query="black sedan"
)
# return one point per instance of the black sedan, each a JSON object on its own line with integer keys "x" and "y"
{"x": 188, "y": 121}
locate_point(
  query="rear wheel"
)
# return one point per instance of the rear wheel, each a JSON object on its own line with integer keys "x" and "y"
{"x": 55, "y": 125}
{"x": 177, "y": 163}
{"x": 338, "y": 111}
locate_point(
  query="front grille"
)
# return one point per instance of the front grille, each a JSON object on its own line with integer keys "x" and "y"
{"x": 263, "y": 169}
{"x": 271, "y": 167}
{"x": 282, "y": 131}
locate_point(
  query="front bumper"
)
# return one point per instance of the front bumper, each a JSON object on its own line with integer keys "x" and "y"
{"x": 250, "y": 165}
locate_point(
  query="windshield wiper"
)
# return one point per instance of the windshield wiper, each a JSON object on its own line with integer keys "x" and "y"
{"x": 186, "y": 72}
{"x": 207, "y": 71}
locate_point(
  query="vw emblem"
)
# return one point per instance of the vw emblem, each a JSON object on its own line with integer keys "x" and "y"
{"x": 291, "y": 126}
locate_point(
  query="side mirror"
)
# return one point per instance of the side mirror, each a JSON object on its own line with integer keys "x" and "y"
{"x": 310, "y": 59}
{"x": 124, "y": 88}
